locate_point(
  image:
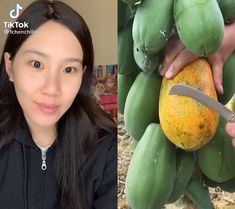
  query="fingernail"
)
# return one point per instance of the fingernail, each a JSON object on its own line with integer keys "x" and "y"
{"x": 169, "y": 72}
{"x": 221, "y": 89}
{"x": 162, "y": 71}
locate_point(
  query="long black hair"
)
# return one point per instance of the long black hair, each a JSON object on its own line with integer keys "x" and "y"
{"x": 79, "y": 127}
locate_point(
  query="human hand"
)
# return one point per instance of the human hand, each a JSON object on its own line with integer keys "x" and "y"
{"x": 230, "y": 129}
{"x": 177, "y": 56}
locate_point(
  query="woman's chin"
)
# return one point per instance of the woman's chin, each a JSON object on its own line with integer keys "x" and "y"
{"x": 43, "y": 122}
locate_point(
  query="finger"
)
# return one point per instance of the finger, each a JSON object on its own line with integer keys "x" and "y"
{"x": 183, "y": 58}
{"x": 172, "y": 49}
{"x": 171, "y": 43}
{"x": 217, "y": 68}
{"x": 233, "y": 142}
{"x": 230, "y": 129}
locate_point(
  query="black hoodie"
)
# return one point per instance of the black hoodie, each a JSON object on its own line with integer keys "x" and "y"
{"x": 25, "y": 185}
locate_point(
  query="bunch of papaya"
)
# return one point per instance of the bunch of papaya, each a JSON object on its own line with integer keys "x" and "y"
{"x": 175, "y": 136}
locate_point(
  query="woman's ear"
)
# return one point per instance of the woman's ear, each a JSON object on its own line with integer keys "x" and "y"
{"x": 9, "y": 65}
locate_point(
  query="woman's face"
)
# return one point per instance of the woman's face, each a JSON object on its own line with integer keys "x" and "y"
{"x": 47, "y": 73}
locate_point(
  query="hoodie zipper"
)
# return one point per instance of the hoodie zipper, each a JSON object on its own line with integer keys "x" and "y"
{"x": 43, "y": 167}
{"x": 44, "y": 157}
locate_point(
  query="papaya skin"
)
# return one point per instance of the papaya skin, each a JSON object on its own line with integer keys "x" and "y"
{"x": 196, "y": 21}
{"x": 187, "y": 123}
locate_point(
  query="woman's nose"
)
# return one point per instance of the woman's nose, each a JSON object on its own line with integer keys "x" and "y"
{"x": 51, "y": 84}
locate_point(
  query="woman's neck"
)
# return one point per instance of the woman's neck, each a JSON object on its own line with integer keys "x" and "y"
{"x": 43, "y": 137}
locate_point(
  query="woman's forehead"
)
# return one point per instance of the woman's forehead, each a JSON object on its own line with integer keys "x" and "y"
{"x": 52, "y": 39}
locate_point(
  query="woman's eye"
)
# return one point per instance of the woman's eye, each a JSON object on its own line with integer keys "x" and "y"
{"x": 36, "y": 64}
{"x": 69, "y": 69}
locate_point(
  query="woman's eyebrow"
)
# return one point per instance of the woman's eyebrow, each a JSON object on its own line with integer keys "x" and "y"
{"x": 36, "y": 52}
{"x": 74, "y": 60}
{"x": 71, "y": 59}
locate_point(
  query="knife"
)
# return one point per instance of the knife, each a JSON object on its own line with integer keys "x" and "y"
{"x": 189, "y": 91}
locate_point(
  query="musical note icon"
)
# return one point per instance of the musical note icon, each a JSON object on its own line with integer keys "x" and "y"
{"x": 14, "y": 13}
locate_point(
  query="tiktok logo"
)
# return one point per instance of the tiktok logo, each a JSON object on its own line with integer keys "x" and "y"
{"x": 14, "y": 13}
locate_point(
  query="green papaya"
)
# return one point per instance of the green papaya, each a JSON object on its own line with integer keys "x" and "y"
{"x": 121, "y": 11}
{"x": 227, "y": 8}
{"x": 126, "y": 62}
{"x": 147, "y": 63}
{"x": 209, "y": 182}
{"x": 228, "y": 186}
{"x": 199, "y": 194}
{"x": 200, "y": 25}
{"x": 131, "y": 2}
{"x": 217, "y": 158}
{"x": 228, "y": 79}
{"x": 152, "y": 25}
{"x": 124, "y": 84}
{"x": 151, "y": 172}
{"x": 142, "y": 104}
{"x": 184, "y": 171}
{"x": 124, "y": 14}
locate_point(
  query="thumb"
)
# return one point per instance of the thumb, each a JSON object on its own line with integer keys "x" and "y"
{"x": 217, "y": 69}
{"x": 230, "y": 129}
{"x": 233, "y": 142}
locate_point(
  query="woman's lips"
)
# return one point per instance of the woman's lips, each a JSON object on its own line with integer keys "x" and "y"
{"x": 47, "y": 108}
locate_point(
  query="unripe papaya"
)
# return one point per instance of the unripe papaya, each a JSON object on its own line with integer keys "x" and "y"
{"x": 152, "y": 25}
{"x": 131, "y": 2}
{"x": 227, "y": 8}
{"x": 184, "y": 170}
{"x": 209, "y": 182}
{"x": 228, "y": 79}
{"x": 217, "y": 159}
{"x": 147, "y": 63}
{"x": 151, "y": 172}
{"x": 196, "y": 21}
{"x": 228, "y": 186}
{"x": 122, "y": 18}
{"x": 199, "y": 194}
{"x": 126, "y": 62}
{"x": 140, "y": 107}
{"x": 187, "y": 123}
{"x": 124, "y": 84}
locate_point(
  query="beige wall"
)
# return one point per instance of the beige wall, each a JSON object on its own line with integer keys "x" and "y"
{"x": 101, "y": 17}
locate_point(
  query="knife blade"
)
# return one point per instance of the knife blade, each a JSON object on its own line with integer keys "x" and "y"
{"x": 189, "y": 91}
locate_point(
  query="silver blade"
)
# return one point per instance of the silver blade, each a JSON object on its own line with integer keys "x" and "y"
{"x": 189, "y": 91}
